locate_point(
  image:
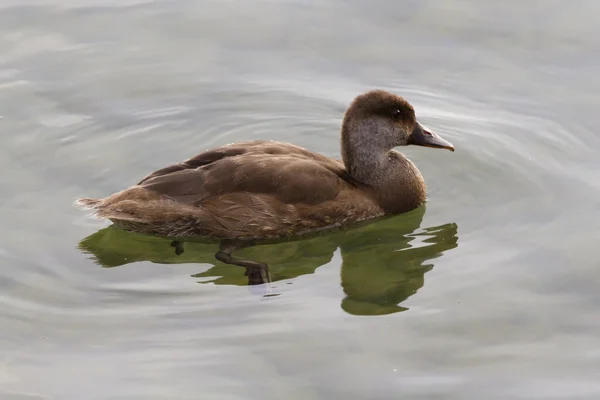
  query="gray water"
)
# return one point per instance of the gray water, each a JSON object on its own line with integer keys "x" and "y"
{"x": 490, "y": 291}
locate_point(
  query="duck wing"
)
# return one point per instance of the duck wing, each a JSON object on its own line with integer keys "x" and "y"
{"x": 284, "y": 172}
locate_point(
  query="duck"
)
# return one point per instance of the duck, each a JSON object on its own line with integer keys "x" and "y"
{"x": 259, "y": 189}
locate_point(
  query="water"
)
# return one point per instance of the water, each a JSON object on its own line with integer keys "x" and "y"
{"x": 488, "y": 292}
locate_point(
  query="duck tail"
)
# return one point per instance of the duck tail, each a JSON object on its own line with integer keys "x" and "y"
{"x": 88, "y": 203}
{"x": 108, "y": 208}
{"x": 96, "y": 205}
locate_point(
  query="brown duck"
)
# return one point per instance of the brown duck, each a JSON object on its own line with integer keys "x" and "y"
{"x": 265, "y": 190}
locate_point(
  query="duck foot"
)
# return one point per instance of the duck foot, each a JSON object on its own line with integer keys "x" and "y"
{"x": 257, "y": 272}
{"x": 178, "y": 247}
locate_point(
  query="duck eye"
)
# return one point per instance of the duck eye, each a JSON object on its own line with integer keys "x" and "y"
{"x": 396, "y": 112}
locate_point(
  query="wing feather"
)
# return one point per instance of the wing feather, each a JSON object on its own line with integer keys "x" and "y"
{"x": 285, "y": 172}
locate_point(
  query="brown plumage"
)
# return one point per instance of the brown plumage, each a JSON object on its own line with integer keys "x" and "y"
{"x": 265, "y": 189}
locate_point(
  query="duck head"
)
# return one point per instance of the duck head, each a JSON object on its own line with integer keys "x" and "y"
{"x": 378, "y": 121}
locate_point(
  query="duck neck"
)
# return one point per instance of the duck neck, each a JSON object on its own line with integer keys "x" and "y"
{"x": 395, "y": 180}
{"x": 366, "y": 166}
{"x": 366, "y": 155}
{"x": 397, "y": 184}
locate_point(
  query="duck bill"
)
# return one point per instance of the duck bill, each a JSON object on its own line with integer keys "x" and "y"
{"x": 422, "y": 136}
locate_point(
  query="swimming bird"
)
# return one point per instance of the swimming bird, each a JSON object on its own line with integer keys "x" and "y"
{"x": 259, "y": 189}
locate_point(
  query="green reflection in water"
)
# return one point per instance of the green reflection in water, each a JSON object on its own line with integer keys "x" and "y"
{"x": 383, "y": 263}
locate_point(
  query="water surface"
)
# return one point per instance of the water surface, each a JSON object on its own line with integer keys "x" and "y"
{"x": 490, "y": 291}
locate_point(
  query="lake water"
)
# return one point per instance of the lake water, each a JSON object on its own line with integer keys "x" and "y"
{"x": 490, "y": 291}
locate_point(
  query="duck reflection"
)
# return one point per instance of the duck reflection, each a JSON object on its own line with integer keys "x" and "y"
{"x": 383, "y": 263}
